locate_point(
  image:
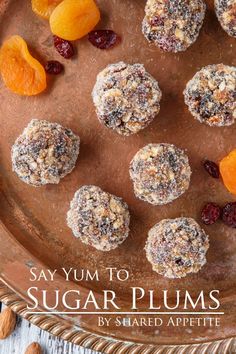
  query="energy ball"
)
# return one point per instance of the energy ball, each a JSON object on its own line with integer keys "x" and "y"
{"x": 176, "y": 247}
{"x": 98, "y": 218}
{"x": 44, "y": 153}
{"x": 226, "y": 13}
{"x": 211, "y": 95}
{"x": 173, "y": 25}
{"x": 126, "y": 97}
{"x": 160, "y": 173}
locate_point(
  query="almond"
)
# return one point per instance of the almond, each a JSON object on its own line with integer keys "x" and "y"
{"x": 7, "y": 322}
{"x": 33, "y": 348}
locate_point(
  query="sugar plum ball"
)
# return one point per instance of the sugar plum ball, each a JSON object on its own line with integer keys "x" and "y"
{"x": 160, "y": 173}
{"x": 98, "y": 218}
{"x": 177, "y": 247}
{"x": 44, "y": 153}
{"x": 126, "y": 97}
{"x": 211, "y": 95}
{"x": 226, "y": 13}
{"x": 173, "y": 25}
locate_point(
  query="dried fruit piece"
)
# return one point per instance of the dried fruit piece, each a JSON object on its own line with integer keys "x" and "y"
{"x": 210, "y": 213}
{"x": 53, "y": 67}
{"x": 212, "y": 168}
{"x": 228, "y": 171}
{"x": 64, "y": 47}
{"x": 229, "y": 214}
{"x": 44, "y": 8}
{"x": 21, "y": 73}
{"x": 7, "y": 322}
{"x": 33, "y": 348}
{"x": 73, "y": 19}
{"x": 103, "y": 39}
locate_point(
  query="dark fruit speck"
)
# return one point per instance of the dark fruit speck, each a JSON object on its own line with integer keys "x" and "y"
{"x": 157, "y": 21}
{"x": 212, "y": 168}
{"x": 64, "y": 48}
{"x": 179, "y": 261}
{"x": 210, "y": 213}
{"x": 103, "y": 39}
{"x": 168, "y": 44}
{"x": 229, "y": 214}
{"x": 53, "y": 67}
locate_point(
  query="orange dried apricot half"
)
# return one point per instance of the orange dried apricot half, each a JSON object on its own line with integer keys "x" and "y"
{"x": 228, "y": 171}
{"x": 21, "y": 73}
{"x": 44, "y": 8}
{"x": 73, "y": 19}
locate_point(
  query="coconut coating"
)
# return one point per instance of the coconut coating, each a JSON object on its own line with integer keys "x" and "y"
{"x": 160, "y": 173}
{"x": 173, "y": 25}
{"x": 176, "y": 247}
{"x": 98, "y": 218}
{"x": 126, "y": 97}
{"x": 211, "y": 95}
{"x": 44, "y": 153}
{"x": 226, "y": 13}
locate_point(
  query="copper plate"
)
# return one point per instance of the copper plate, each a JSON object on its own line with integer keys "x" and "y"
{"x": 33, "y": 227}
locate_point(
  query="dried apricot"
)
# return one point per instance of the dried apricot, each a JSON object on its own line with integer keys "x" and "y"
{"x": 21, "y": 73}
{"x": 73, "y": 19}
{"x": 44, "y": 8}
{"x": 228, "y": 171}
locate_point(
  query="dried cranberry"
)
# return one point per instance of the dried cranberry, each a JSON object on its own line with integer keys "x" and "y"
{"x": 212, "y": 168}
{"x": 210, "y": 213}
{"x": 64, "y": 48}
{"x": 229, "y": 214}
{"x": 103, "y": 39}
{"x": 53, "y": 67}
